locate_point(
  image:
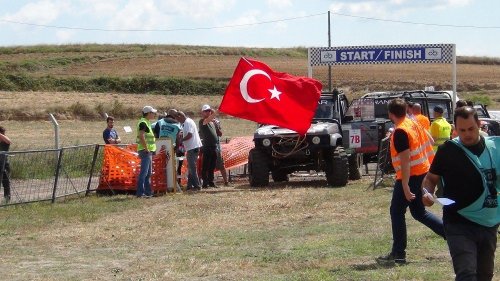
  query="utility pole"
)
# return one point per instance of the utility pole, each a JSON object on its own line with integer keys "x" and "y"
{"x": 329, "y": 66}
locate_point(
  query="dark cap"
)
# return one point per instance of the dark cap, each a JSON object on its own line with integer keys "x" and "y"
{"x": 438, "y": 109}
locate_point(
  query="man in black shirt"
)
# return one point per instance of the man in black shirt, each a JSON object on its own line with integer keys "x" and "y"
{"x": 4, "y": 164}
{"x": 209, "y": 138}
{"x": 471, "y": 223}
{"x": 411, "y": 152}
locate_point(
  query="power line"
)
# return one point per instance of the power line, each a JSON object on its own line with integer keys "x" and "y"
{"x": 161, "y": 30}
{"x": 417, "y": 23}
{"x": 246, "y": 24}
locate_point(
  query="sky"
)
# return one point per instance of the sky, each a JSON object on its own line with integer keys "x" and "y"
{"x": 473, "y": 25}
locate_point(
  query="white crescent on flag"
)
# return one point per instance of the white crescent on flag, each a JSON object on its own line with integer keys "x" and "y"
{"x": 244, "y": 84}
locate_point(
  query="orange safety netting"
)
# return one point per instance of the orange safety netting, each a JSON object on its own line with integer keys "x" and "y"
{"x": 235, "y": 152}
{"x": 121, "y": 167}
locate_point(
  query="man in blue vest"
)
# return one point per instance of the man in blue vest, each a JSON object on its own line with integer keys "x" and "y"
{"x": 146, "y": 146}
{"x": 469, "y": 167}
{"x": 167, "y": 127}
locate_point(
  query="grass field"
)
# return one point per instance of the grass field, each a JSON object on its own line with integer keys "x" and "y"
{"x": 299, "y": 230}
{"x": 295, "y": 231}
{"x": 477, "y": 78}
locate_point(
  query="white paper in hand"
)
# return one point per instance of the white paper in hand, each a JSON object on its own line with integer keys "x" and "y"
{"x": 127, "y": 129}
{"x": 445, "y": 201}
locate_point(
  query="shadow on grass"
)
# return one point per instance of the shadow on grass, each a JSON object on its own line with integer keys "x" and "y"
{"x": 375, "y": 266}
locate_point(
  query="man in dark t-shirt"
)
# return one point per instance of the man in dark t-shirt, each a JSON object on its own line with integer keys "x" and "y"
{"x": 466, "y": 166}
{"x": 4, "y": 164}
{"x": 410, "y": 150}
{"x": 109, "y": 135}
{"x": 208, "y": 135}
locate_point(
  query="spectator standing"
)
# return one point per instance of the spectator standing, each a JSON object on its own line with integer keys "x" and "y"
{"x": 4, "y": 164}
{"x": 209, "y": 138}
{"x": 167, "y": 126}
{"x": 146, "y": 146}
{"x": 219, "y": 165}
{"x": 192, "y": 143}
{"x": 419, "y": 117}
{"x": 483, "y": 130}
{"x": 411, "y": 153}
{"x": 460, "y": 103}
{"x": 109, "y": 134}
{"x": 469, "y": 167}
{"x": 440, "y": 128}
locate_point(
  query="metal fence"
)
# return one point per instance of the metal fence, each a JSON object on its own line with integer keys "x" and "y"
{"x": 46, "y": 175}
{"x": 51, "y": 174}
{"x": 384, "y": 164}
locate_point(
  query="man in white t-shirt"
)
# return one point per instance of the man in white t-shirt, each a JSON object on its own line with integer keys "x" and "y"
{"x": 192, "y": 143}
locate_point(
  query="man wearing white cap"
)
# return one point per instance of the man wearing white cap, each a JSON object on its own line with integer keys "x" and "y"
{"x": 209, "y": 139}
{"x": 146, "y": 146}
{"x": 192, "y": 144}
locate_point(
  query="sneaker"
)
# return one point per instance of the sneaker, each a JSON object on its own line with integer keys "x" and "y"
{"x": 392, "y": 258}
{"x": 213, "y": 185}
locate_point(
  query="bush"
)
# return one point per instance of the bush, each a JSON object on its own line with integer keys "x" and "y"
{"x": 482, "y": 99}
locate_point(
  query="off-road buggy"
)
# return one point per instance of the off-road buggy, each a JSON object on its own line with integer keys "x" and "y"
{"x": 280, "y": 152}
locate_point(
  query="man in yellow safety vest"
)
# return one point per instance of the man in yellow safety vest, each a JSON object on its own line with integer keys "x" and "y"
{"x": 146, "y": 146}
{"x": 440, "y": 128}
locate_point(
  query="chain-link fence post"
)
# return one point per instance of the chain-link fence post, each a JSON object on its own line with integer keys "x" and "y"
{"x": 94, "y": 159}
{"x": 58, "y": 169}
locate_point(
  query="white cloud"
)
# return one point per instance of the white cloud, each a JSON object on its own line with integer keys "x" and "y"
{"x": 362, "y": 8}
{"x": 392, "y": 8}
{"x": 249, "y": 17}
{"x": 40, "y": 12}
{"x": 138, "y": 14}
{"x": 64, "y": 36}
{"x": 97, "y": 8}
{"x": 280, "y": 4}
{"x": 196, "y": 9}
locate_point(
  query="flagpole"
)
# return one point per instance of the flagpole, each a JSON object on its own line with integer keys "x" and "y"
{"x": 329, "y": 66}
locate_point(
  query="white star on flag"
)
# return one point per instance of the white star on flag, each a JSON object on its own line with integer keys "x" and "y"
{"x": 275, "y": 94}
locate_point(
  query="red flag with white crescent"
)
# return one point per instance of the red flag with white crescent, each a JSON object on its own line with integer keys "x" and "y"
{"x": 259, "y": 94}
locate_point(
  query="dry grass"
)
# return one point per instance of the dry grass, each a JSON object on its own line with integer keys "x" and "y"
{"x": 291, "y": 231}
{"x": 41, "y": 134}
{"x": 294, "y": 231}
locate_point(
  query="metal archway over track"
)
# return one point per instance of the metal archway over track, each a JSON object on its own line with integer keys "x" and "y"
{"x": 386, "y": 54}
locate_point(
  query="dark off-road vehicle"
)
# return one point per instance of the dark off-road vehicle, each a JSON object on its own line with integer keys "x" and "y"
{"x": 370, "y": 119}
{"x": 493, "y": 125}
{"x": 282, "y": 151}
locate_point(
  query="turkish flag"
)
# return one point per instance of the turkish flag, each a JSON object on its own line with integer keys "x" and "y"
{"x": 259, "y": 94}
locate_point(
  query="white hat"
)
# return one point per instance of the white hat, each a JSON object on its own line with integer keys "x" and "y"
{"x": 148, "y": 109}
{"x": 205, "y": 107}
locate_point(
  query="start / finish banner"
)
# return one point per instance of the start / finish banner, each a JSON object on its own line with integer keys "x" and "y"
{"x": 384, "y": 54}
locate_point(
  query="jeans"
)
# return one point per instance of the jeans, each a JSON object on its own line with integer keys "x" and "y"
{"x": 417, "y": 210}
{"x": 208, "y": 166}
{"x": 5, "y": 166}
{"x": 143, "y": 182}
{"x": 192, "y": 157}
{"x": 472, "y": 249}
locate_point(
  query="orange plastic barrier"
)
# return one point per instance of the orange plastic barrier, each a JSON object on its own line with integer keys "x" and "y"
{"x": 121, "y": 167}
{"x": 235, "y": 152}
